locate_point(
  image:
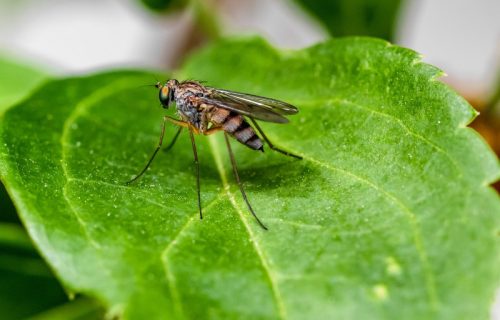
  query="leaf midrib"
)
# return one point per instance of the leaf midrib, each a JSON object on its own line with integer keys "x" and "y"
{"x": 77, "y": 111}
{"x": 258, "y": 250}
{"x": 165, "y": 254}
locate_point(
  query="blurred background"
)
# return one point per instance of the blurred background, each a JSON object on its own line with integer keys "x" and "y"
{"x": 459, "y": 36}
{"x": 66, "y": 37}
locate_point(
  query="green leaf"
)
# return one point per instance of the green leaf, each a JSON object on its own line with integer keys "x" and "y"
{"x": 27, "y": 284}
{"x": 359, "y": 17}
{"x": 389, "y": 215}
{"x": 29, "y": 288}
{"x": 17, "y": 80}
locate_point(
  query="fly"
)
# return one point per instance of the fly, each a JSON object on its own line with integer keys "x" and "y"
{"x": 206, "y": 110}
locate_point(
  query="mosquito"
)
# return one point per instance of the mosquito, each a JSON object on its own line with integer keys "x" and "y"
{"x": 206, "y": 110}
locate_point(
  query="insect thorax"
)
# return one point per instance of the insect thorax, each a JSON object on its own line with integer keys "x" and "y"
{"x": 188, "y": 111}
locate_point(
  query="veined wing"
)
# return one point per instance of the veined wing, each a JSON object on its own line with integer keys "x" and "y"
{"x": 244, "y": 109}
{"x": 273, "y": 105}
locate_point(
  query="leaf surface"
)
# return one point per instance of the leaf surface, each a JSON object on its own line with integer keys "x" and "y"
{"x": 389, "y": 215}
{"x": 17, "y": 80}
{"x": 20, "y": 269}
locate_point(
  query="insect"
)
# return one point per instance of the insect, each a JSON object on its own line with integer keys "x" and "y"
{"x": 206, "y": 110}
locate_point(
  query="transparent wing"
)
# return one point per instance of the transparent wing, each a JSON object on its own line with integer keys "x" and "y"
{"x": 276, "y": 106}
{"x": 243, "y": 108}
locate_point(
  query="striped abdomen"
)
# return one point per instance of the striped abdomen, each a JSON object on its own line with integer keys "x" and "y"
{"x": 238, "y": 127}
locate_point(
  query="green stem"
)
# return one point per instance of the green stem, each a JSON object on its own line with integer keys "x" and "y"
{"x": 206, "y": 18}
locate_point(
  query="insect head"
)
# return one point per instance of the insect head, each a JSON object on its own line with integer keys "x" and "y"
{"x": 166, "y": 93}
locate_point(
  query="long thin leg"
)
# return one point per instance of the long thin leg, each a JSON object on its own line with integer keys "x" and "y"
{"x": 237, "y": 177}
{"x": 173, "y": 140}
{"x": 270, "y": 144}
{"x": 197, "y": 164}
{"x": 162, "y": 134}
{"x": 212, "y": 131}
{"x": 177, "y": 122}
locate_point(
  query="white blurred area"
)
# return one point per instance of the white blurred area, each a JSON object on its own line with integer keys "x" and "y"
{"x": 72, "y": 36}
{"x": 462, "y": 37}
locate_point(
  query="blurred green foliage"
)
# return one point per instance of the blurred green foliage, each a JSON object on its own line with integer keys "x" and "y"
{"x": 7, "y": 209}
{"x": 28, "y": 286}
{"x": 163, "y": 5}
{"x": 376, "y": 18}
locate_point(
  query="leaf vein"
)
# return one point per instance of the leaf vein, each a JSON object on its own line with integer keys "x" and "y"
{"x": 260, "y": 253}
{"x": 415, "y": 225}
{"x": 165, "y": 254}
{"x": 399, "y": 122}
{"x": 77, "y": 111}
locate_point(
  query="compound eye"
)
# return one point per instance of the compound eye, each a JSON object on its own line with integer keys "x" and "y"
{"x": 164, "y": 96}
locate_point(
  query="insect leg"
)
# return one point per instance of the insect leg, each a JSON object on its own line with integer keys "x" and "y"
{"x": 237, "y": 177}
{"x": 173, "y": 140}
{"x": 165, "y": 119}
{"x": 270, "y": 144}
{"x": 177, "y": 122}
{"x": 197, "y": 164}
{"x": 212, "y": 131}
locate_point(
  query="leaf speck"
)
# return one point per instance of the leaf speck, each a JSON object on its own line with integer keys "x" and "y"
{"x": 380, "y": 292}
